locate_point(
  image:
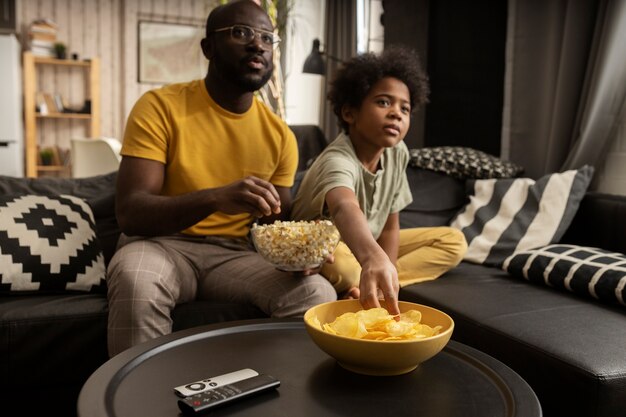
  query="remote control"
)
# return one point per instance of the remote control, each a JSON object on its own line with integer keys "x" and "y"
{"x": 214, "y": 382}
{"x": 226, "y": 394}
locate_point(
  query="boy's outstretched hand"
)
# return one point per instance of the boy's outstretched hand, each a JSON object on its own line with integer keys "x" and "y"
{"x": 379, "y": 279}
{"x": 379, "y": 276}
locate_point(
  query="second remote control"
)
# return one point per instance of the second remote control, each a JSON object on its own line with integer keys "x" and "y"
{"x": 214, "y": 382}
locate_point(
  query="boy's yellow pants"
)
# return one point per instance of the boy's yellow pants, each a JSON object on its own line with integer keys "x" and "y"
{"x": 424, "y": 254}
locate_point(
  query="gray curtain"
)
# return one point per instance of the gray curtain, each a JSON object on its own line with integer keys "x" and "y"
{"x": 548, "y": 47}
{"x": 340, "y": 43}
{"x": 603, "y": 105}
{"x": 565, "y": 85}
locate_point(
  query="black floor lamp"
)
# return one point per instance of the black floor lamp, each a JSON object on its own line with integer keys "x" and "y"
{"x": 314, "y": 63}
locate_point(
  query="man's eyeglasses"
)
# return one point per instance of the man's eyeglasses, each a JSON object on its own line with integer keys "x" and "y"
{"x": 245, "y": 34}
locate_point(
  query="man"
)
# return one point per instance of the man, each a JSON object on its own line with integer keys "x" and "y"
{"x": 201, "y": 161}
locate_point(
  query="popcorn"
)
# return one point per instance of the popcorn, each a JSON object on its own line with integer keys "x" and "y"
{"x": 296, "y": 245}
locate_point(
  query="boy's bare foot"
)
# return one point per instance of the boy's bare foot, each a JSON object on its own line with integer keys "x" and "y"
{"x": 352, "y": 294}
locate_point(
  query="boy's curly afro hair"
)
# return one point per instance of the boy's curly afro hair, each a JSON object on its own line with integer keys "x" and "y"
{"x": 358, "y": 75}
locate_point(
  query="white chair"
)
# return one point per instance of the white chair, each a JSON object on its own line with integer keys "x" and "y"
{"x": 95, "y": 156}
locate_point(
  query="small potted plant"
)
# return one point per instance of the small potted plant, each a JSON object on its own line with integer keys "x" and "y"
{"x": 60, "y": 50}
{"x": 47, "y": 155}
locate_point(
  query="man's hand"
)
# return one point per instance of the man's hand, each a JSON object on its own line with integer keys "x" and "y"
{"x": 249, "y": 195}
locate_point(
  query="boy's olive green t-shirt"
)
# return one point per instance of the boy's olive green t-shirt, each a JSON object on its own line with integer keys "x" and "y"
{"x": 379, "y": 194}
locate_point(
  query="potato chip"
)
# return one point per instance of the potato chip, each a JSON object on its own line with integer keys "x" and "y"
{"x": 413, "y": 316}
{"x": 374, "y": 335}
{"x": 373, "y": 316}
{"x": 399, "y": 328}
{"x": 378, "y": 324}
{"x": 349, "y": 325}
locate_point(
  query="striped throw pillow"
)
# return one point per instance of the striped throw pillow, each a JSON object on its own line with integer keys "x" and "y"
{"x": 585, "y": 271}
{"x": 504, "y": 216}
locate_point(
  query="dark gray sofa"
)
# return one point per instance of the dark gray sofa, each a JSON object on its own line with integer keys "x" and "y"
{"x": 571, "y": 350}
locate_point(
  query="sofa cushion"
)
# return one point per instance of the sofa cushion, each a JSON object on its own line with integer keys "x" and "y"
{"x": 311, "y": 142}
{"x": 586, "y": 271}
{"x": 87, "y": 188}
{"x": 463, "y": 163}
{"x": 48, "y": 244}
{"x": 508, "y": 215}
{"x": 437, "y": 197}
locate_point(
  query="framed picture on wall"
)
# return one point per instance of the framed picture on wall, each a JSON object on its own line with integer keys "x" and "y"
{"x": 8, "y": 16}
{"x": 170, "y": 52}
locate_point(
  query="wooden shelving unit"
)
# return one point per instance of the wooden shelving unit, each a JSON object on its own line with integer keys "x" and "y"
{"x": 32, "y": 65}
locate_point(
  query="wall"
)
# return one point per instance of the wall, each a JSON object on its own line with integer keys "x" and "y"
{"x": 303, "y": 92}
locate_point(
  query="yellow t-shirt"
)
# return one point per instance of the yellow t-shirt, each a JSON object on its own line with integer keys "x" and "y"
{"x": 204, "y": 146}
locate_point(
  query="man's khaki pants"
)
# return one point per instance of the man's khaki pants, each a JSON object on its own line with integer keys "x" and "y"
{"x": 147, "y": 278}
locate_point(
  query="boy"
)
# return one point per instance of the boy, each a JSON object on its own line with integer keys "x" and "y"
{"x": 359, "y": 181}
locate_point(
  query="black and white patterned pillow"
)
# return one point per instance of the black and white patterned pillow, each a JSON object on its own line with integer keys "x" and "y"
{"x": 463, "y": 163}
{"x": 505, "y": 216}
{"x": 48, "y": 245}
{"x": 585, "y": 271}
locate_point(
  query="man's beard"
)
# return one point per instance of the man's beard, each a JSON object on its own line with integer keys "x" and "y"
{"x": 252, "y": 83}
{"x": 247, "y": 82}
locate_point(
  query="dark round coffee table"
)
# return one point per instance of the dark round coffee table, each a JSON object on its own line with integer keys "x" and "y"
{"x": 459, "y": 381}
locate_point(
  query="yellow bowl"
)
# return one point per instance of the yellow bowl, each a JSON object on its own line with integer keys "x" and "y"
{"x": 376, "y": 357}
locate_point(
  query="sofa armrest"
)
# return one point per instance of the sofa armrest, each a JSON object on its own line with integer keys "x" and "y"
{"x": 599, "y": 222}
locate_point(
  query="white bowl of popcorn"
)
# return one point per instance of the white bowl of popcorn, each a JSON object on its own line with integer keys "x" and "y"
{"x": 295, "y": 245}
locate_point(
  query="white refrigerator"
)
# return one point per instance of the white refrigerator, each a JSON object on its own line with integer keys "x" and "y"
{"x": 11, "y": 122}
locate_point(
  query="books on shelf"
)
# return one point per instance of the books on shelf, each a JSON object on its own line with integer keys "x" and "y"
{"x": 42, "y": 35}
{"x": 42, "y": 44}
{"x": 47, "y": 103}
{"x": 42, "y": 51}
{"x": 41, "y": 106}
{"x": 50, "y": 103}
{"x": 58, "y": 102}
{"x": 43, "y": 26}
